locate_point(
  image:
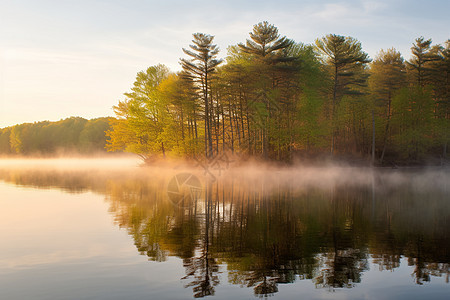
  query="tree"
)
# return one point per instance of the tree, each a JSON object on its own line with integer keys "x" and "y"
{"x": 412, "y": 122}
{"x": 183, "y": 106}
{"x": 277, "y": 98}
{"x": 5, "y": 147}
{"x": 345, "y": 60}
{"x": 268, "y": 51}
{"x": 144, "y": 123}
{"x": 420, "y": 60}
{"x": 265, "y": 43}
{"x": 93, "y": 138}
{"x": 70, "y": 135}
{"x": 387, "y": 75}
{"x": 200, "y": 68}
{"x": 439, "y": 70}
{"x": 235, "y": 82}
{"x": 429, "y": 69}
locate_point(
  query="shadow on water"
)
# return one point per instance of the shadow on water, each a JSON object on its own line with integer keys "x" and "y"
{"x": 268, "y": 230}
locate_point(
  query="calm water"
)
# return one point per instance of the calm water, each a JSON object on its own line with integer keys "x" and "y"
{"x": 103, "y": 229}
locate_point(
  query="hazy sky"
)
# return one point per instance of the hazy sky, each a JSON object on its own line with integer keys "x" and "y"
{"x": 66, "y": 58}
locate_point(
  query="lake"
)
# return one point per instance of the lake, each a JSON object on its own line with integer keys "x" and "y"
{"x": 110, "y": 229}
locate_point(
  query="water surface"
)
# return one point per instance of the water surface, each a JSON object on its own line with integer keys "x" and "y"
{"x": 85, "y": 229}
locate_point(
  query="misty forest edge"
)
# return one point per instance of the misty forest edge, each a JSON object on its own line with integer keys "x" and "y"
{"x": 271, "y": 98}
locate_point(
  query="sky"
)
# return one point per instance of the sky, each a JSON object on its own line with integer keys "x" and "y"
{"x": 65, "y": 58}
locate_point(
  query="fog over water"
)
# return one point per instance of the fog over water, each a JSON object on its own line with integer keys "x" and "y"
{"x": 211, "y": 229}
{"x": 271, "y": 176}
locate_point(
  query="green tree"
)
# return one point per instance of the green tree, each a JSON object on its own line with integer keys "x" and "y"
{"x": 439, "y": 69}
{"x": 265, "y": 43}
{"x": 66, "y": 133}
{"x": 144, "y": 124}
{"x": 199, "y": 68}
{"x": 429, "y": 69}
{"x": 268, "y": 52}
{"x": 184, "y": 107}
{"x": 15, "y": 140}
{"x": 93, "y": 136}
{"x": 412, "y": 122}
{"x": 68, "y": 136}
{"x": 345, "y": 61}
{"x": 387, "y": 75}
{"x": 5, "y": 147}
{"x": 274, "y": 97}
{"x": 420, "y": 60}
{"x": 236, "y": 78}
{"x": 311, "y": 127}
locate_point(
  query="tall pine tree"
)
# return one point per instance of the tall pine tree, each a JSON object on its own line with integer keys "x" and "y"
{"x": 200, "y": 68}
{"x": 345, "y": 60}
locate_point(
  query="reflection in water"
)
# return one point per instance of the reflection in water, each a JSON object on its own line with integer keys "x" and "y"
{"x": 270, "y": 231}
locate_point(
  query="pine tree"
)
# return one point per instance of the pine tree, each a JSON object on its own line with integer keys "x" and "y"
{"x": 346, "y": 60}
{"x": 268, "y": 50}
{"x": 387, "y": 75}
{"x": 420, "y": 60}
{"x": 265, "y": 42}
{"x": 200, "y": 68}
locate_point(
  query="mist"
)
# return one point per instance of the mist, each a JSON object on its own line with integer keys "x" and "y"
{"x": 253, "y": 175}
{"x": 257, "y": 218}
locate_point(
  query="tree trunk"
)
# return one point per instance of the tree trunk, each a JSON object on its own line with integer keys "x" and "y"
{"x": 386, "y": 131}
{"x": 373, "y": 137}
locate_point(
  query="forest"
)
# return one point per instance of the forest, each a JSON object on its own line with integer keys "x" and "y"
{"x": 69, "y": 136}
{"x": 277, "y": 99}
{"x": 270, "y": 98}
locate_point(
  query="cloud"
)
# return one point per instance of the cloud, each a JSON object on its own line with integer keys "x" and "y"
{"x": 333, "y": 12}
{"x": 371, "y": 7}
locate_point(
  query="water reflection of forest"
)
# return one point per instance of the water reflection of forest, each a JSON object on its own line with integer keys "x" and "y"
{"x": 269, "y": 233}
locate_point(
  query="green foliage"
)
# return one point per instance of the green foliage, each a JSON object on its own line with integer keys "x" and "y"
{"x": 420, "y": 60}
{"x": 345, "y": 62}
{"x": 273, "y": 84}
{"x": 271, "y": 98}
{"x": 312, "y": 127}
{"x": 276, "y": 99}
{"x": 149, "y": 121}
{"x": 355, "y": 124}
{"x": 387, "y": 76}
{"x": 5, "y": 147}
{"x": 199, "y": 69}
{"x": 265, "y": 42}
{"x": 92, "y": 137}
{"x": 413, "y": 123}
{"x": 72, "y": 135}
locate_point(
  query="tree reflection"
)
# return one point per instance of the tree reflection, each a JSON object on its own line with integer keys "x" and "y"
{"x": 202, "y": 269}
{"x": 271, "y": 236}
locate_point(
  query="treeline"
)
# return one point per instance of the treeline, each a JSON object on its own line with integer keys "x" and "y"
{"x": 68, "y": 136}
{"x": 275, "y": 98}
